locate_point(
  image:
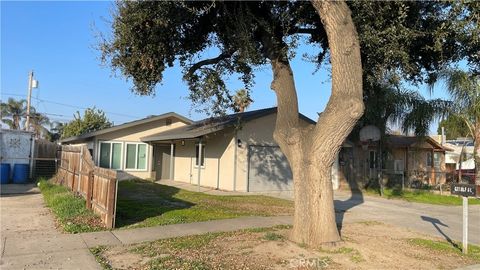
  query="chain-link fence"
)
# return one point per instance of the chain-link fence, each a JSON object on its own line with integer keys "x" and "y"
{"x": 422, "y": 179}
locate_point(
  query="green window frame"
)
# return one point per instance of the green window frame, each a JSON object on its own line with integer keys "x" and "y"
{"x": 136, "y": 156}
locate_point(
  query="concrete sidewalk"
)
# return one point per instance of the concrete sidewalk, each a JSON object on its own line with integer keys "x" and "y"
{"x": 29, "y": 239}
{"x": 131, "y": 236}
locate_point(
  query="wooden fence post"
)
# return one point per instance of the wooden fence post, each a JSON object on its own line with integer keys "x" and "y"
{"x": 88, "y": 198}
{"x": 73, "y": 180}
{"x": 80, "y": 171}
{"x": 111, "y": 204}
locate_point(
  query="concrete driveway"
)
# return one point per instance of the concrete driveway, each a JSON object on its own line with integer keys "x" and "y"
{"x": 436, "y": 220}
{"x": 29, "y": 239}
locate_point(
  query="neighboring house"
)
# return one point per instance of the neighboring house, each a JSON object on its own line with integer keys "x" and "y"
{"x": 237, "y": 152}
{"x": 459, "y": 146}
{"x": 120, "y": 147}
{"x": 467, "y": 171}
{"x": 405, "y": 158}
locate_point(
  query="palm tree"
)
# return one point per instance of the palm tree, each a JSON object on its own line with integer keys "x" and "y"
{"x": 56, "y": 130}
{"x": 387, "y": 103}
{"x": 464, "y": 90}
{"x": 241, "y": 100}
{"x": 12, "y": 112}
{"x": 38, "y": 123}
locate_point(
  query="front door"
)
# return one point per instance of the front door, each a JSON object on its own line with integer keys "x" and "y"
{"x": 162, "y": 161}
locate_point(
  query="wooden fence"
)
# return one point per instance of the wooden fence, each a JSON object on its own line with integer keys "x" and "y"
{"x": 98, "y": 186}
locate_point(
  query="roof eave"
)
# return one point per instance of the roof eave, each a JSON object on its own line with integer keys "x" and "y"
{"x": 85, "y": 136}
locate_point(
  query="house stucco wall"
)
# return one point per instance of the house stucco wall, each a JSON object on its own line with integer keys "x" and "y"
{"x": 220, "y": 147}
{"x": 136, "y": 132}
{"x": 132, "y": 135}
{"x": 255, "y": 132}
{"x": 217, "y": 171}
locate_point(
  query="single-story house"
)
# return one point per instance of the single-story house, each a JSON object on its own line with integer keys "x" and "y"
{"x": 119, "y": 147}
{"x": 404, "y": 158}
{"x": 233, "y": 152}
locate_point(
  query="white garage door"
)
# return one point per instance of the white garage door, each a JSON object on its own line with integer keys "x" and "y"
{"x": 268, "y": 170}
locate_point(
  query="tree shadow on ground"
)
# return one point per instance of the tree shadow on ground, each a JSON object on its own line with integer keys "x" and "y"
{"x": 268, "y": 170}
{"x": 437, "y": 223}
{"x": 341, "y": 207}
{"x": 138, "y": 200}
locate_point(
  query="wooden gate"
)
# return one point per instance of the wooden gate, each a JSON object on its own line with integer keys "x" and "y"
{"x": 45, "y": 157}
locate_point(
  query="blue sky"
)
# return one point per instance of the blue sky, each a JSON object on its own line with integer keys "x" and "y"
{"x": 57, "y": 39}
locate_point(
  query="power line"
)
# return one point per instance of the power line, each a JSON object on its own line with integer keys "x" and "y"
{"x": 71, "y": 106}
{"x": 13, "y": 95}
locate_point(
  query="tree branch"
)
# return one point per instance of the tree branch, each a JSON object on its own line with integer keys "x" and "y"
{"x": 345, "y": 105}
{"x": 287, "y": 124}
{"x": 211, "y": 61}
{"x": 470, "y": 125}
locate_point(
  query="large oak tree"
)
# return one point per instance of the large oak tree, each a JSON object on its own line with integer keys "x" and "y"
{"x": 398, "y": 39}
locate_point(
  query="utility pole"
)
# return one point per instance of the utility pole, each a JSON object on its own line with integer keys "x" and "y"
{"x": 31, "y": 84}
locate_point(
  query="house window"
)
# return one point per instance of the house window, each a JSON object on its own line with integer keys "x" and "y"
{"x": 429, "y": 159}
{"x": 110, "y": 155}
{"x": 437, "y": 160}
{"x": 202, "y": 156}
{"x": 136, "y": 156}
{"x": 373, "y": 159}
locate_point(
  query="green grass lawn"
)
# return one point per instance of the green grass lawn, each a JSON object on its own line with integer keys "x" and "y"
{"x": 70, "y": 210}
{"x": 142, "y": 204}
{"x": 422, "y": 196}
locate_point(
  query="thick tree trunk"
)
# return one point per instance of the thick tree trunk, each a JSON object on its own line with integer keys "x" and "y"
{"x": 311, "y": 150}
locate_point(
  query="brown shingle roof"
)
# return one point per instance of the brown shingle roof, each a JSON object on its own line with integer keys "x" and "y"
{"x": 411, "y": 141}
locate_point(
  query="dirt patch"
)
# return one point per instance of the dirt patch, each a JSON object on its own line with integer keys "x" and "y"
{"x": 368, "y": 245}
{"x": 119, "y": 259}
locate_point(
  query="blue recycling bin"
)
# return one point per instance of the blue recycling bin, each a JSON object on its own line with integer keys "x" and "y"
{"x": 5, "y": 173}
{"x": 20, "y": 173}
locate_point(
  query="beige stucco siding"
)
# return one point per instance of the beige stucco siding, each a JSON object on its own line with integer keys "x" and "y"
{"x": 220, "y": 162}
{"x": 136, "y": 132}
{"x": 184, "y": 156}
{"x": 134, "y": 135}
{"x": 255, "y": 132}
{"x": 219, "y": 155}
